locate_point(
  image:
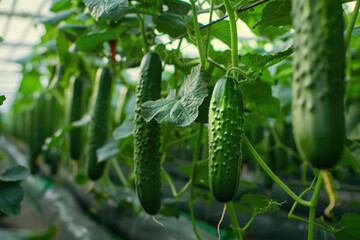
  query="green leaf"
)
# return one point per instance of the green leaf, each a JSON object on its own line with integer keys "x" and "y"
{"x": 107, "y": 151}
{"x": 11, "y": 195}
{"x": 1, "y": 39}
{"x": 145, "y": 8}
{"x": 178, "y": 7}
{"x": 59, "y": 16}
{"x": 15, "y": 173}
{"x": 124, "y": 130}
{"x": 256, "y": 62}
{"x": 260, "y": 203}
{"x": 244, "y": 208}
{"x": 185, "y": 110}
{"x": 257, "y": 97}
{"x": 92, "y": 41}
{"x": 221, "y": 31}
{"x": 96, "y": 8}
{"x": 276, "y": 14}
{"x": 58, "y": 5}
{"x": 30, "y": 82}
{"x": 2, "y": 99}
{"x": 351, "y": 227}
{"x": 62, "y": 48}
{"x": 172, "y": 24}
{"x": 115, "y": 8}
{"x": 222, "y": 57}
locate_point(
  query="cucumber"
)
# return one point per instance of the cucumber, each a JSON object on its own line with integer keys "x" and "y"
{"x": 318, "y": 81}
{"x": 38, "y": 121}
{"x": 98, "y": 126}
{"x": 225, "y": 137}
{"x": 75, "y": 114}
{"x": 147, "y": 136}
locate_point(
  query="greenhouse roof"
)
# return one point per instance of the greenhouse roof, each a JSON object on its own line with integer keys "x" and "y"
{"x": 20, "y": 33}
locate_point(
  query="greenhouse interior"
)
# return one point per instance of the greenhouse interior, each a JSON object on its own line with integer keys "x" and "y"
{"x": 179, "y": 119}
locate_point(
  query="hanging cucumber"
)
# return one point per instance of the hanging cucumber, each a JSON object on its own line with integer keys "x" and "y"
{"x": 318, "y": 81}
{"x": 225, "y": 136}
{"x": 98, "y": 126}
{"x": 147, "y": 136}
{"x": 75, "y": 114}
{"x": 37, "y": 138}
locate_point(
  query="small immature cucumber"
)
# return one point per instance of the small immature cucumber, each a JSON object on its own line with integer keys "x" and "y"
{"x": 318, "y": 81}
{"x": 147, "y": 136}
{"x": 98, "y": 126}
{"x": 75, "y": 114}
{"x": 225, "y": 136}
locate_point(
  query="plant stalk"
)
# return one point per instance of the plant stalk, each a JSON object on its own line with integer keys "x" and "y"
{"x": 193, "y": 175}
{"x": 234, "y": 221}
{"x": 351, "y": 24}
{"x": 273, "y": 176}
{"x": 313, "y": 204}
{"x": 197, "y": 34}
{"x": 233, "y": 33}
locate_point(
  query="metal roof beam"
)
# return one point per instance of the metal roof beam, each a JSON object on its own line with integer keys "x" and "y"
{"x": 13, "y": 44}
{"x": 21, "y": 15}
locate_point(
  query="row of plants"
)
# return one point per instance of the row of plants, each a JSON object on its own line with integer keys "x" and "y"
{"x": 280, "y": 105}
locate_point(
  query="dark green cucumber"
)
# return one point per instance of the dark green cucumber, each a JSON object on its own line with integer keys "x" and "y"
{"x": 75, "y": 114}
{"x": 98, "y": 127}
{"x": 38, "y": 121}
{"x": 147, "y": 136}
{"x": 318, "y": 81}
{"x": 225, "y": 137}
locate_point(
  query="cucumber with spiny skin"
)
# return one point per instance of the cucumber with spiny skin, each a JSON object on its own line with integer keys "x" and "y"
{"x": 147, "y": 136}
{"x": 318, "y": 81}
{"x": 225, "y": 137}
{"x": 75, "y": 114}
{"x": 98, "y": 126}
